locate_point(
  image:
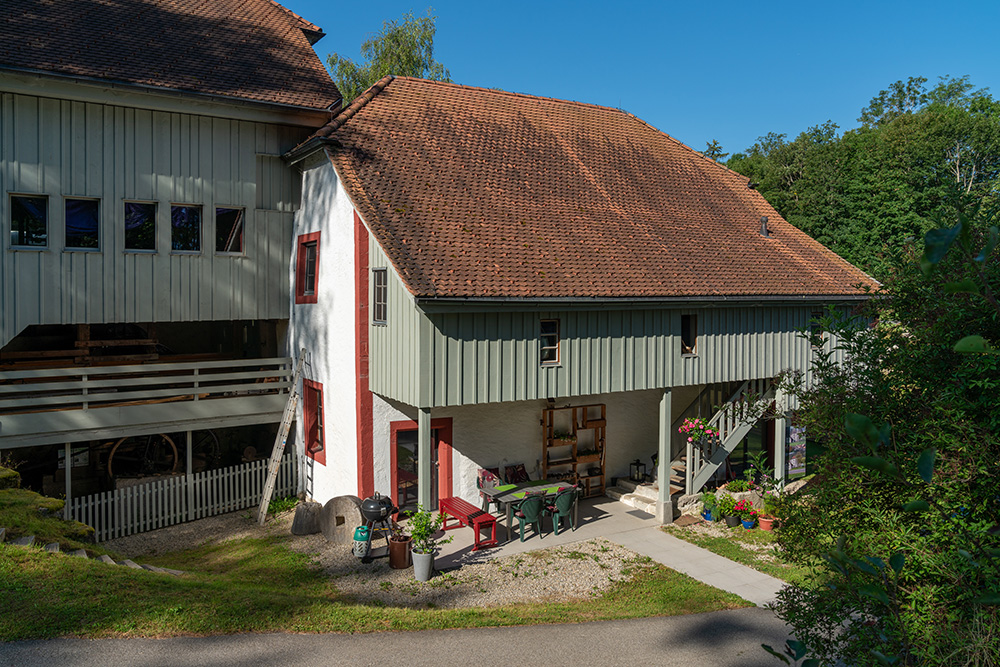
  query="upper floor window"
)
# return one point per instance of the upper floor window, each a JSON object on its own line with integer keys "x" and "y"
{"x": 83, "y": 223}
{"x": 140, "y": 225}
{"x": 229, "y": 230}
{"x": 29, "y": 217}
{"x": 307, "y": 268}
{"x": 185, "y": 228}
{"x": 380, "y": 296}
{"x": 550, "y": 342}
{"x": 816, "y": 334}
{"x": 689, "y": 334}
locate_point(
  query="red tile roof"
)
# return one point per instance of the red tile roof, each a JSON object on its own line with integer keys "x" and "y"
{"x": 247, "y": 49}
{"x": 483, "y": 193}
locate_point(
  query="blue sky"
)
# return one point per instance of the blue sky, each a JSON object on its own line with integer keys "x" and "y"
{"x": 722, "y": 70}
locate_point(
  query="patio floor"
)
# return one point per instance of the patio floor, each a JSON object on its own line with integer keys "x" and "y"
{"x": 609, "y": 519}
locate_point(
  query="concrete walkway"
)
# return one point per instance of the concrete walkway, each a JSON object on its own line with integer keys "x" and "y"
{"x": 609, "y": 519}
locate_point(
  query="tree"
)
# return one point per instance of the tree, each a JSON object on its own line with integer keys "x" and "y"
{"x": 713, "y": 150}
{"x": 405, "y": 49}
{"x": 904, "y": 509}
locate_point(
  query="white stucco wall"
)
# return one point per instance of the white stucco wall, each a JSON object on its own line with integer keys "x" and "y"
{"x": 326, "y": 329}
{"x": 508, "y": 433}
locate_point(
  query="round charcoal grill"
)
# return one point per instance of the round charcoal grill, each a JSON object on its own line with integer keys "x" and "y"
{"x": 377, "y": 508}
{"x": 377, "y": 512}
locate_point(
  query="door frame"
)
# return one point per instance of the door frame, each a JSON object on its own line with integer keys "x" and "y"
{"x": 443, "y": 442}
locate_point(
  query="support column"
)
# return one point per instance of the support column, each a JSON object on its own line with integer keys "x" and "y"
{"x": 188, "y": 479}
{"x": 424, "y": 472}
{"x": 780, "y": 439}
{"x": 664, "y": 506}
{"x": 69, "y": 481}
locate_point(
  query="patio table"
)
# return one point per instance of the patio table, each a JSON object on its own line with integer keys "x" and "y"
{"x": 510, "y": 494}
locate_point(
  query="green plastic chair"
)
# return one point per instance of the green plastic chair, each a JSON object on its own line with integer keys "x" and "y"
{"x": 562, "y": 508}
{"x": 530, "y": 510}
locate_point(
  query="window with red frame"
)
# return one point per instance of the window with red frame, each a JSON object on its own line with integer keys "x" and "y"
{"x": 313, "y": 422}
{"x": 307, "y": 268}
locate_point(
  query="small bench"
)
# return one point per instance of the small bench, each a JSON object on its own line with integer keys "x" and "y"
{"x": 467, "y": 514}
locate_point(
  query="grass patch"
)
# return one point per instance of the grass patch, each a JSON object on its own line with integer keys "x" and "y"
{"x": 753, "y": 548}
{"x": 24, "y": 512}
{"x": 260, "y": 585}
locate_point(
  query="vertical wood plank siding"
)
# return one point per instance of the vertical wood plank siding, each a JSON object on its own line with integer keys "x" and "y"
{"x": 485, "y": 357}
{"x": 63, "y": 149}
{"x": 393, "y": 347}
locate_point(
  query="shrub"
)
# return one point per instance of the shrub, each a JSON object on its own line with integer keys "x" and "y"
{"x": 727, "y": 505}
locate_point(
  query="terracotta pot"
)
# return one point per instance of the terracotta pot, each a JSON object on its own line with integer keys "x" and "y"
{"x": 399, "y": 554}
{"x": 766, "y": 522}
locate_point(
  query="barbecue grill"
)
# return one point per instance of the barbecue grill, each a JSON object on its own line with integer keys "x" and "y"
{"x": 377, "y": 511}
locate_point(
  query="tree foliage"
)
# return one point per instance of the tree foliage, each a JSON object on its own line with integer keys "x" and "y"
{"x": 868, "y": 192}
{"x": 400, "y": 49}
{"x": 905, "y": 509}
{"x": 713, "y": 150}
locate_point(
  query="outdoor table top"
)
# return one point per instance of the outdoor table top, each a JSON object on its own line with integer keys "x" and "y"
{"x": 511, "y": 494}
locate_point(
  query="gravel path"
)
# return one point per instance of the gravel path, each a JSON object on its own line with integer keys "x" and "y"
{"x": 560, "y": 573}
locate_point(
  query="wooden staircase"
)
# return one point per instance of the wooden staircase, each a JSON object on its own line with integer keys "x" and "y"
{"x": 732, "y": 423}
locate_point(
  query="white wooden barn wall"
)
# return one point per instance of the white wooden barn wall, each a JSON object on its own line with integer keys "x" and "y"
{"x": 60, "y": 149}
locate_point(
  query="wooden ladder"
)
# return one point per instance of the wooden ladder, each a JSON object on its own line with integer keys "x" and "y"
{"x": 279, "y": 441}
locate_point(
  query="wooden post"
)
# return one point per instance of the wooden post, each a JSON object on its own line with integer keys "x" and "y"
{"x": 780, "y": 439}
{"x": 664, "y": 505}
{"x": 188, "y": 479}
{"x": 424, "y": 477}
{"x": 69, "y": 482}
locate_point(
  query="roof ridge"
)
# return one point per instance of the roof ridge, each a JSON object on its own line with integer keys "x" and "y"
{"x": 354, "y": 107}
{"x": 308, "y": 25}
{"x": 589, "y": 105}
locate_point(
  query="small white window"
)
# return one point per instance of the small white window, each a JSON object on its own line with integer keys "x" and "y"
{"x": 380, "y": 296}
{"x": 550, "y": 342}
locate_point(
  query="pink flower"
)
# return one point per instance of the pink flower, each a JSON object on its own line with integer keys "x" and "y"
{"x": 690, "y": 439}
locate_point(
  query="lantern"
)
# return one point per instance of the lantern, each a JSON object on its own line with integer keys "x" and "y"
{"x": 638, "y": 471}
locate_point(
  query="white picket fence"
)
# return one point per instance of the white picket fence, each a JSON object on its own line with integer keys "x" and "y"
{"x": 172, "y": 500}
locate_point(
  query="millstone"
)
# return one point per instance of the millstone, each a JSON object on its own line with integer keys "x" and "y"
{"x": 340, "y": 516}
{"x": 307, "y": 518}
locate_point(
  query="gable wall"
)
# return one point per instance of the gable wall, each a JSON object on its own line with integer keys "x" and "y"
{"x": 63, "y": 148}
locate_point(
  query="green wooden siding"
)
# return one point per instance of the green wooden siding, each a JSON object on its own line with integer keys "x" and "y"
{"x": 62, "y": 148}
{"x": 393, "y": 347}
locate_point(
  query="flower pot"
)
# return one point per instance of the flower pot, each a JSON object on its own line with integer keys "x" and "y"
{"x": 748, "y": 523}
{"x": 766, "y": 523}
{"x": 706, "y": 515}
{"x": 399, "y": 554}
{"x": 732, "y": 521}
{"x": 423, "y": 566}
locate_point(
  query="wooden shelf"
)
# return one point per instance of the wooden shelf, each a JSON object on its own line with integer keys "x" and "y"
{"x": 573, "y": 424}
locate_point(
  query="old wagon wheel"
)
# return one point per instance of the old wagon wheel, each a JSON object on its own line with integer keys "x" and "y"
{"x": 143, "y": 455}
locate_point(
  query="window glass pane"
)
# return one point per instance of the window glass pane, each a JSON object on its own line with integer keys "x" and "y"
{"x": 185, "y": 228}
{"x": 550, "y": 354}
{"x": 82, "y": 223}
{"x": 309, "y": 286}
{"x": 28, "y": 217}
{"x": 228, "y": 230}
{"x": 549, "y": 341}
{"x": 140, "y": 226}
{"x": 548, "y": 327}
{"x": 689, "y": 334}
{"x": 380, "y": 311}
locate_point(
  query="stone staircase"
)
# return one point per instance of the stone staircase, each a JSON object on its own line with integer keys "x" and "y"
{"x": 28, "y": 542}
{"x": 639, "y": 495}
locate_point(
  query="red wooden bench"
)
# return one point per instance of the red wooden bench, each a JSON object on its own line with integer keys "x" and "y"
{"x": 467, "y": 514}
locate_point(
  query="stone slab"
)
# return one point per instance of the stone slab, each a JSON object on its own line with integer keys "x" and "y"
{"x": 307, "y": 518}
{"x": 79, "y": 553}
{"x": 52, "y": 547}
{"x": 3, "y": 533}
{"x": 104, "y": 558}
{"x": 340, "y": 516}
{"x": 26, "y": 541}
{"x": 129, "y": 563}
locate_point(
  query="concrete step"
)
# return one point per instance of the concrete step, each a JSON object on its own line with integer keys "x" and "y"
{"x": 80, "y": 553}
{"x": 647, "y": 490}
{"x": 52, "y": 547}
{"x": 633, "y": 500}
{"x": 130, "y": 563}
{"x": 26, "y": 541}
{"x": 104, "y": 558}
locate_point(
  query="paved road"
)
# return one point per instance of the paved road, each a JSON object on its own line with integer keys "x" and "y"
{"x": 726, "y": 638}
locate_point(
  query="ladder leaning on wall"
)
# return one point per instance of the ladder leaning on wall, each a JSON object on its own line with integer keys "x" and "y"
{"x": 279, "y": 442}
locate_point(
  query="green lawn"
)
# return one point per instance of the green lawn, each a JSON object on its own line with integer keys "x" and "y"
{"x": 754, "y": 548}
{"x": 260, "y": 585}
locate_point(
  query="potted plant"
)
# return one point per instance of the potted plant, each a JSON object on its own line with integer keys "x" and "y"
{"x": 399, "y": 548}
{"x": 709, "y": 506}
{"x": 565, "y": 436}
{"x": 423, "y": 526}
{"x": 771, "y": 503}
{"x": 587, "y": 455}
{"x": 746, "y": 512}
{"x": 727, "y": 508}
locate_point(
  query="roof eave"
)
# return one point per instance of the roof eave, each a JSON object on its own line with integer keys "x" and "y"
{"x": 441, "y": 304}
